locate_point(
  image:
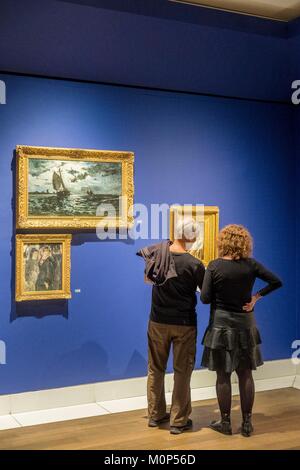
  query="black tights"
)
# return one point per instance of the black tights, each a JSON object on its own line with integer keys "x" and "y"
{"x": 246, "y": 386}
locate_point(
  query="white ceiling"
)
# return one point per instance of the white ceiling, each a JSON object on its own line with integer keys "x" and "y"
{"x": 283, "y": 10}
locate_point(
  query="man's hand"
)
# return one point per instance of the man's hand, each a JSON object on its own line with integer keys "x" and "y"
{"x": 250, "y": 305}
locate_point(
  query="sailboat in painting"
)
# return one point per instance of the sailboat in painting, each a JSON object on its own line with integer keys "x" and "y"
{"x": 59, "y": 185}
{"x": 76, "y": 188}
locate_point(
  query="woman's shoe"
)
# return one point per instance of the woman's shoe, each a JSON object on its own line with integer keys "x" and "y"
{"x": 223, "y": 425}
{"x": 247, "y": 426}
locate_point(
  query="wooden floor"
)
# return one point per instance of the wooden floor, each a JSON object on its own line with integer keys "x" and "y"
{"x": 276, "y": 421}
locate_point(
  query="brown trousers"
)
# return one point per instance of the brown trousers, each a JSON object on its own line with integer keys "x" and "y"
{"x": 160, "y": 339}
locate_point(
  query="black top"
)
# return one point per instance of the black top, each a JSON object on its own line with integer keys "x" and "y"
{"x": 228, "y": 283}
{"x": 174, "y": 302}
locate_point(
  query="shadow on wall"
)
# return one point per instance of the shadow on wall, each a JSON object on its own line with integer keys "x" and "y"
{"x": 39, "y": 309}
{"x": 137, "y": 366}
{"x": 91, "y": 237}
{"x": 89, "y": 362}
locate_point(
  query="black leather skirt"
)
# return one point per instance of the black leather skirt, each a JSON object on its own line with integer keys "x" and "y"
{"x": 231, "y": 341}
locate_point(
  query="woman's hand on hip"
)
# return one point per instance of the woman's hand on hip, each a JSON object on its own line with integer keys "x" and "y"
{"x": 248, "y": 307}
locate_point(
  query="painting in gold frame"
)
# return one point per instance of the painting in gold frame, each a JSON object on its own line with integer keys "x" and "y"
{"x": 43, "y": 266}
{"x": 207, "y": 250}
{"x": 63, "y": 187}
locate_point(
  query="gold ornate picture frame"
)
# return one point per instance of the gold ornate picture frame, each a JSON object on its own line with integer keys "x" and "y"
{"x": 43, "y": 266}
{"x": 63, "y": 187}
{"x": 210, "y": 230}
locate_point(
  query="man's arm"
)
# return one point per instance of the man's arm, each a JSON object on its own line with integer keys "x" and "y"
{"x": 207, "y": 287}
{"x": 200, "y": 275}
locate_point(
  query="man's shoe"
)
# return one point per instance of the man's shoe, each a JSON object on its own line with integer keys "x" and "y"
{"x": 154, "y": 423}
{"x": 223, "y": 425}
{"x": 181, "y": 429}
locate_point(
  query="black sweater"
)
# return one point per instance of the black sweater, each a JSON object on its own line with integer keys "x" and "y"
{"x": 228, "y": 283}
{"x": 174, "y": 302}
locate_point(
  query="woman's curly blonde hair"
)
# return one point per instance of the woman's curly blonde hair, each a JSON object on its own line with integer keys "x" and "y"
{"x": 235, "y": 241}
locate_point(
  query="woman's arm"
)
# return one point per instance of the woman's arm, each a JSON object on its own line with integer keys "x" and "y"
{"x": 273, "y": 283}
{"x": 250, "y": 305}
{"x": 265, "y": 275}
{"x": 207, "y": 287}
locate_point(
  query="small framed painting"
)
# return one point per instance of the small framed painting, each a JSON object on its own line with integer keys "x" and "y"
{"x": 73, "y": 188}
{"x": 205, "y": 247}
{"x": 43, "y": 266}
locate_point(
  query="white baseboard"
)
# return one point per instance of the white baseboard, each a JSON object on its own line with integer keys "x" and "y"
{"x": 297, "y": 377}
{"x": 274, "y": 383}
{"x": 272, "y": 375}
{"x": 297, "y": 382}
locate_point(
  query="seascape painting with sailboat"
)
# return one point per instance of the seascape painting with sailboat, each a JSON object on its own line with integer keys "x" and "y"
{"x": 72, "y": 188}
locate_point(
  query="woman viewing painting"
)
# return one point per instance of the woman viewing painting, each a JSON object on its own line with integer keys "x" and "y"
{"x": 231, "y": 341}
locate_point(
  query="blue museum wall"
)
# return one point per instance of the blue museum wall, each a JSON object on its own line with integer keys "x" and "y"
{"x": 297, "y": 143}
{"x": 149, "y": 43}
{"x": 235, "y": 154}
{"x": 294, "y": 54}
